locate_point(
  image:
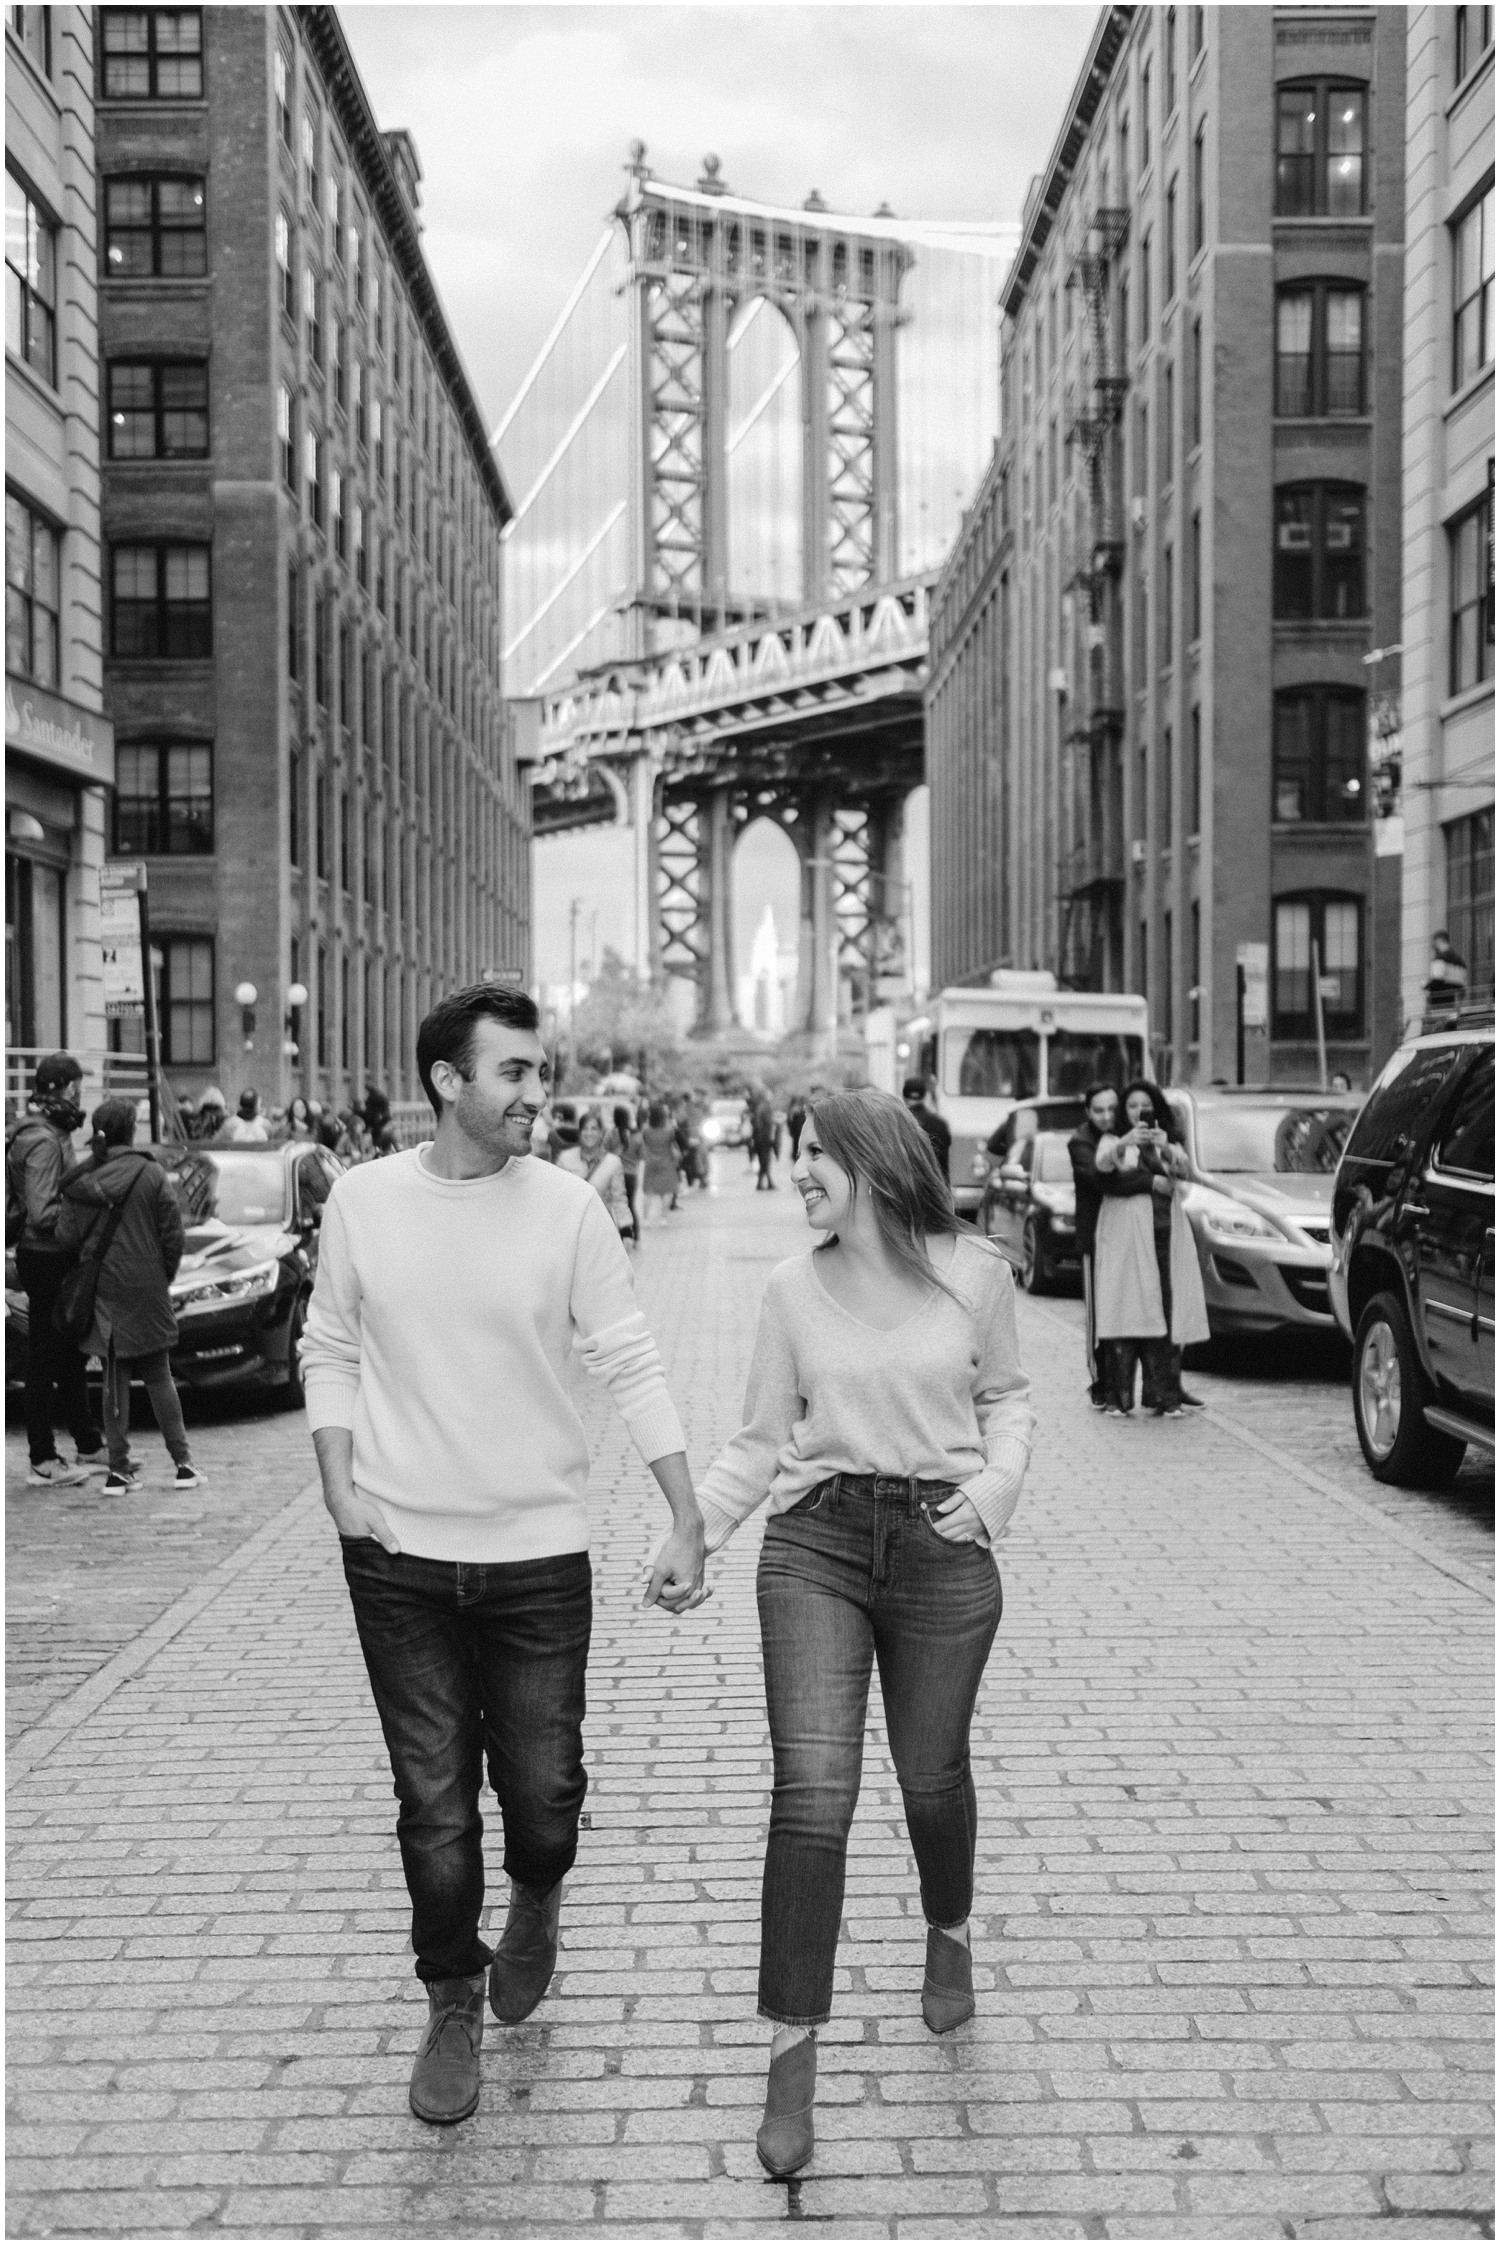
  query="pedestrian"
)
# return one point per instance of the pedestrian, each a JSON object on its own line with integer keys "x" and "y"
{"x": 888, "y": 1419}
{"x": 248, "y": 1127}
{"x": 914, "y": 1092}
{"x": 212, "y": 1111}
{"x": 377, "y": 1120}
{"x": 626, "y": 1141}
{"x": 121, "y": 1208}
{"x": 38, "y": 1155}
{"x": 659, "y": 1176}
{"x": 1101, "y": 1104}
{"x": 763, "y": 1140}
{"x": 1338, "y": 1081}
{"x": 456, "y": 1283}
{"x": 796, "y": 1116}
{"x": 591, "y": 1159}
{"x": 1148, "y": 1285}
{"x": 1447, "y": 976}
{"x": 299, "y": 1121}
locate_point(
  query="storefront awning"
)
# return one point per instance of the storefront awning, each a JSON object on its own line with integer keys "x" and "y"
{"x": 58, "y": 733}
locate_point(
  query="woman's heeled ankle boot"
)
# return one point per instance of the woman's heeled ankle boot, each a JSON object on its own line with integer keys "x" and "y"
{"x": 948, "y": 1987}
{"x": 785, "y": 2137}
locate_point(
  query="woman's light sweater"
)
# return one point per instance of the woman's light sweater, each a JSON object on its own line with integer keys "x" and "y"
{"x": 940, "y": 1397}
{"x": 442, "y": 1325}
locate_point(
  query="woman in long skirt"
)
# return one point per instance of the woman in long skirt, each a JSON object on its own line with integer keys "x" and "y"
{"x": 1148, "y": 1286}
{"x": 888, "y": 1422}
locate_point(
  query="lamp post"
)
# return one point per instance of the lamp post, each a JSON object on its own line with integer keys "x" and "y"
{"x": 245, "y": 995}
{"x": 296, "y": 999}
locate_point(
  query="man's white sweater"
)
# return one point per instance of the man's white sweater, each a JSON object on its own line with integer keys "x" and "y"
{"x": 441, "y": 1328}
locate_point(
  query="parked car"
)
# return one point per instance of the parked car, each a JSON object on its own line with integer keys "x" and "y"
{"x": 251, "y": 1216}
{"x": 1028, "y": 1210}
{"x": 727, "y": 1123}
{"x": 1263, "y": 1166}
{"x": 1413, "y": 1278}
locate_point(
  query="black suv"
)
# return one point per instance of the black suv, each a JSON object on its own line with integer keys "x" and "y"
{"x": 1413, "y": 1239}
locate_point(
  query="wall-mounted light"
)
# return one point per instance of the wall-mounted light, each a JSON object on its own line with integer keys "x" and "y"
{"x": 245, "y": 995}
{"x": 296, "y": 999}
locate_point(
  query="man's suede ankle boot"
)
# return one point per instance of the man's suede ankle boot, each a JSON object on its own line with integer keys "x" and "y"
{"x": 445, "y": 2078}
{"x": 526, "y": 1958}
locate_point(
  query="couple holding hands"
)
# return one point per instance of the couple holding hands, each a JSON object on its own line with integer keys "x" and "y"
{"x": 887, "y": 1426}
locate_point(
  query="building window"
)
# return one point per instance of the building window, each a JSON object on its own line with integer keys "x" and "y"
{"x": 1200, "y": 223}
{"x": 294, "y": 824}
{"x": 1169, "y": 59}
{"x": 377, "y": 306}
{"x": 30, "y": 281}
{"x": 1320, "y": 351}
{"x": 152, "y": 54}
{"x": 336, "y": 510}
{"x": 344, "y": 838}
{"x": 356, "y": 261}
{"x": 320, "y": 651}
{"x": 1171, "y": 226}
{"x": 1333, "y": 928}
{"x": 31, "y": 594}
{"x": 1320, "y": 151}
{"x": 293, "y": 623}
{"x": 1145, "y": 272}
{"x": 1195, "y": 34}
{"x": 281, "y": 77}
{"x": 312, "y": 182}
{"x": 322, "y": 997}
{"x": 1471, "y": 576}
{"x": 1474, "y": 289}
{"x": 33, "y": 27}
{"x": 1197, "y": 771}
{"x": 1145, "y": 118}
{"x": 312, "y": 468}
{"x": 1168, "y": 563}
{"x": 360, "y": 417}
{"x": 1196, "y": 618}
{"x": 344, "y": 1007}
{"x": 286, "y": 286}
{"x": 187, "y": 1000}
{"x": 164, "y": 801}
{"x": 1320, "y": 552}
{"x": 312, "y": 304}
{"x": 162, "y": 602}
{"x": 155, "y": 228}
{"x": 1197, "y": 381}
{"x": 360, "y": 561}
{"x": 156, "y": 410}
{"x": 1320, "y": 754}
{"x": 1473, "y": 36}
{"x": 1470, "y": 846}
{"x": 320, "y": 826}
{"x": 340, "y": 366}
{"x": 377, "y": 436}
{"x": 286, "y": 436}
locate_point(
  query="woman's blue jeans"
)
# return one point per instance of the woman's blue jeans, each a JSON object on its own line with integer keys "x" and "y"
{"x": 856, "y": 1574}
{"x": 473, "y": 1664}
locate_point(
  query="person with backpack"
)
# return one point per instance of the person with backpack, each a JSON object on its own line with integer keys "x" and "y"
{"x": 38, "y": 1155}
{"x": 120, "y": 1212}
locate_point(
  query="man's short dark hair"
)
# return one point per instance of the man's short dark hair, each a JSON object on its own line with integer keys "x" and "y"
{"x": 447, "y": 1033}
{"x": 54, "y": 1072}
{"x": 1097, "y": 1090}
{"x": 915, "y": 1084}
{"x": 113, "y": 1120}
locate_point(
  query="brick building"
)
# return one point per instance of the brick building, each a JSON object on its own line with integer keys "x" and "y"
{"x": 1147, "y": 710}
{"x": 302, "y": 518}
{"x": 59, "y": 751}
{"x": 1448, "y": 620}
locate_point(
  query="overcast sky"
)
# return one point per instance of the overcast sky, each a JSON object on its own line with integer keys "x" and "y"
{"x": 523, "y": 118}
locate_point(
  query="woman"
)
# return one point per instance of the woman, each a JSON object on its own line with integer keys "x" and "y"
{"x": 659, "y": 1181}
{"x": 888, "y": 1421}
{"x": 299, "y": 1120}
{"x": 603, "y": 1170}
{"x": 1149, "y": 1287}
{"x": 626, "y": 1141}
{"x": 122, "y": 1203}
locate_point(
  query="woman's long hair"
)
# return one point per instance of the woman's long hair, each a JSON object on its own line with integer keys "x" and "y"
{"x": 884, "y": 1151}
{"x": 1160, "y": 1107}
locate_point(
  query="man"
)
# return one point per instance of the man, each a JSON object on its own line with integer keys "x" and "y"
{"x": 763, "y": 1140}
{"x": 38, "y": 1155}
{"x": 1447, "y": 976}
{"x": 796, "y": 1121}
{"x": 456, "y": 1281}
{"x": 914, "y": 1092}
{"x": 248, "y": 1126}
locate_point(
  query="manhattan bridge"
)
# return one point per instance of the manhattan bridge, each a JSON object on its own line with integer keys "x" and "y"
{"x": 737, "y": 462}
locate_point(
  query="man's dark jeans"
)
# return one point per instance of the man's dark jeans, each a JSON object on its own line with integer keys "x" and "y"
{"x": 472, "y": 1665}
{"x": 53, "y": 1364}
{"x": 857, "y": 1573}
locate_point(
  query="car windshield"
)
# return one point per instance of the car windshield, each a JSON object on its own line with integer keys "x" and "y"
{"x": 1257, "y": 1141}
{"x": 1052, "y": 1165}
{"x": 228, "y": 1188}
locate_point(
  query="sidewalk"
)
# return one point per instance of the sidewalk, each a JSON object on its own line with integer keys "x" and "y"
{"x": 1233, "y": 1923}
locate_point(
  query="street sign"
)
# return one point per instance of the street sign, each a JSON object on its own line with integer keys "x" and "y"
{"x": 120, "y": 889}
{"x": 1255, "y": 960}
{"x": 1329, "y": 986}
{"x": 501, "y": 974}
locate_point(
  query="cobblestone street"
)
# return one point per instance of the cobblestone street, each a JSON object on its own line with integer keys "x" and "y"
{"x": 1233, "y": 1924}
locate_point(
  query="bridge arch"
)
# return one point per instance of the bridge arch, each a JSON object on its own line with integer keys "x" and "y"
{"x": 764, "y": 445}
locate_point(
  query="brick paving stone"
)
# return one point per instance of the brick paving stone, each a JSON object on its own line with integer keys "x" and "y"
{"x": 1231, "y": 1927}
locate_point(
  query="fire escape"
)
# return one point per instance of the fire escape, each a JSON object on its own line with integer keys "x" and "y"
{"x": 1092, "y": 886}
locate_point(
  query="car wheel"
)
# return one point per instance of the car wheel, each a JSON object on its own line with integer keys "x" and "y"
{"x": 1389, "y": 1392}
{"x": 1035, "y": 1275}
{"x": 293, "y": 1394}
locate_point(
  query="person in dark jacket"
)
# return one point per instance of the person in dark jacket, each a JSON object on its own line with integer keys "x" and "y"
{"x": 914, "y": 1092}
{"x": 796, "y": 1120}
{"x": 1101, "y": 1104}
{"x": 763, "y": 1141}
{"x": 134, "y": 1325}
{"x": 38, "y": 1155}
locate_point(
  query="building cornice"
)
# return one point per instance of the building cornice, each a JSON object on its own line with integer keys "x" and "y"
{"x": 1110, "y": 34}
{"x": 325, "y": 38}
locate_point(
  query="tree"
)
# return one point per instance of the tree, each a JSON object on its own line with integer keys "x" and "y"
{"x": 624, "y": 1021}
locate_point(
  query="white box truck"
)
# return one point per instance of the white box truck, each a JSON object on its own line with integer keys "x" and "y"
{"x": 1016, "y": 1038}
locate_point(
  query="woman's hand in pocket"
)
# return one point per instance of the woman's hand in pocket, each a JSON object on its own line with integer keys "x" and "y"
{"x": 956, "y": 1520}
